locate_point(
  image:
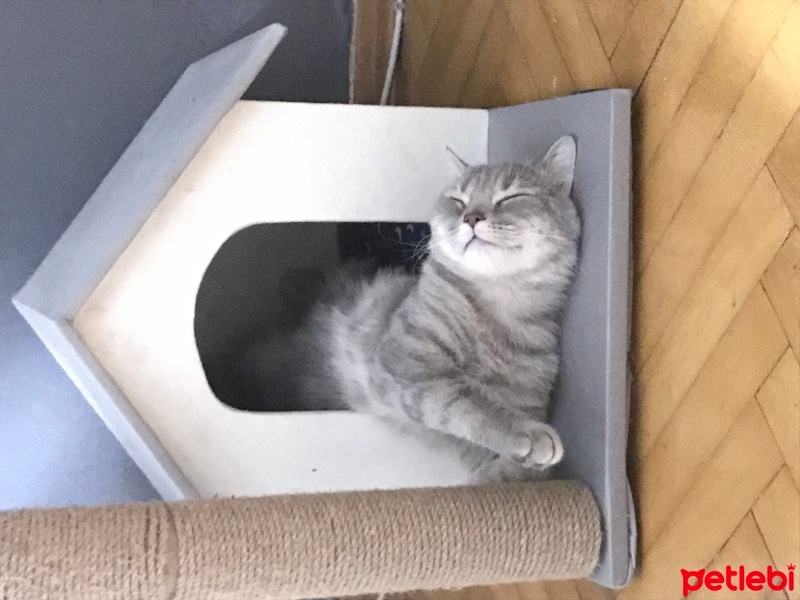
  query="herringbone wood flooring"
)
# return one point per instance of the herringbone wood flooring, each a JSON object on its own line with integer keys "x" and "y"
{"x": 715, "y": 452}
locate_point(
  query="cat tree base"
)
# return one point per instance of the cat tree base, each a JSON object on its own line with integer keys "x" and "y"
{"x": 307, "y": 546}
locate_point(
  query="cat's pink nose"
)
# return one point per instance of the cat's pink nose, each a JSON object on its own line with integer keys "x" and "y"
{"x": 472, "y": 218}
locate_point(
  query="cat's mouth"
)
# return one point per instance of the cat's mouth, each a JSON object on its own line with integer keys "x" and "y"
{"x": 476, "y": 241}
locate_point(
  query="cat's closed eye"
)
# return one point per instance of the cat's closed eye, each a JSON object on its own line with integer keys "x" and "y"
{"x": 506, "y": 199}
{"x": 458, "y": 202}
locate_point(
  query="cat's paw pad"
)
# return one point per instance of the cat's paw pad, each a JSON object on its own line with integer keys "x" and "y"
{"x": 541, "y": 447}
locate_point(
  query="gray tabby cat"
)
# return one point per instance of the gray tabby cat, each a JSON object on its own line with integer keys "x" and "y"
{"x": 469, "y": 348}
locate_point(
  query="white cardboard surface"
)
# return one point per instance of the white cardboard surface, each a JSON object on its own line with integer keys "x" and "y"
{"x": 269, "y": 162}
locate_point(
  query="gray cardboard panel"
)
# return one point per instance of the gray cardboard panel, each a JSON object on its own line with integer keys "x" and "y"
{"x": 113, "y": 407}
{"x": 111, "y": 218}
{"x": 591, "y": 404}
{"x": 144, "y": 173}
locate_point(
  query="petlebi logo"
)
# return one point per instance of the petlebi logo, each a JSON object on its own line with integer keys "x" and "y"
{"x": 738, "y": 579}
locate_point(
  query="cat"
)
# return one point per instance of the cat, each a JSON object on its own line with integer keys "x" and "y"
{"x": 467, "y": 349}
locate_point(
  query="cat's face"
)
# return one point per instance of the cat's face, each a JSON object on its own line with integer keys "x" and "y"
{"x": 498, "y": 220}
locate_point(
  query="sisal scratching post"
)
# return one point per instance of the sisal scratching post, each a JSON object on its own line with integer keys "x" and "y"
{"x": 301, "y": 546}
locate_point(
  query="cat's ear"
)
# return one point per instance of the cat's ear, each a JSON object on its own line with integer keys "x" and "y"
{"x": 559, "y": 162}
{"x": 460, "y": 166}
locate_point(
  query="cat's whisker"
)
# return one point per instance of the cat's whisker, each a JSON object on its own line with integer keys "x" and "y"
{"x": 422, "y": 244}
{"x": 410, "y": 244}
{"x": 448, "y": 239}
{"x": 420, "y": 252}
{"x": 521, "y": 234}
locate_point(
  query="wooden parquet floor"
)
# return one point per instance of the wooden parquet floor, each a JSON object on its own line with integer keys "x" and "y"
{"x": 715, "y": 450}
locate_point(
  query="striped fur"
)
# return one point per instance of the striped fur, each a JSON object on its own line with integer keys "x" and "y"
{"x": 469, "y": 348}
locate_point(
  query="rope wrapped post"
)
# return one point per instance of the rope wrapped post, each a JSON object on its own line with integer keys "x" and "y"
{"x": 302, "y": 546}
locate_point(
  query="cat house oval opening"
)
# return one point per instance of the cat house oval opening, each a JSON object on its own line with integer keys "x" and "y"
{"x": 261, "y": 287}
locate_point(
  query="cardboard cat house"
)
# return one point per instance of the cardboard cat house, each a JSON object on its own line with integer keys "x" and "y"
{"x": 115, "y": 299}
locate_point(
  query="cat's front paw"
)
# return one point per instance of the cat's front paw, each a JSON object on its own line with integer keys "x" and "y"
{"x": 539, "y": 446}
{"x": 503, "y": 470}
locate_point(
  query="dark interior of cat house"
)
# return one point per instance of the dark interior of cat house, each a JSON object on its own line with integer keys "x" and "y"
{"x": 265, "y": 279}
